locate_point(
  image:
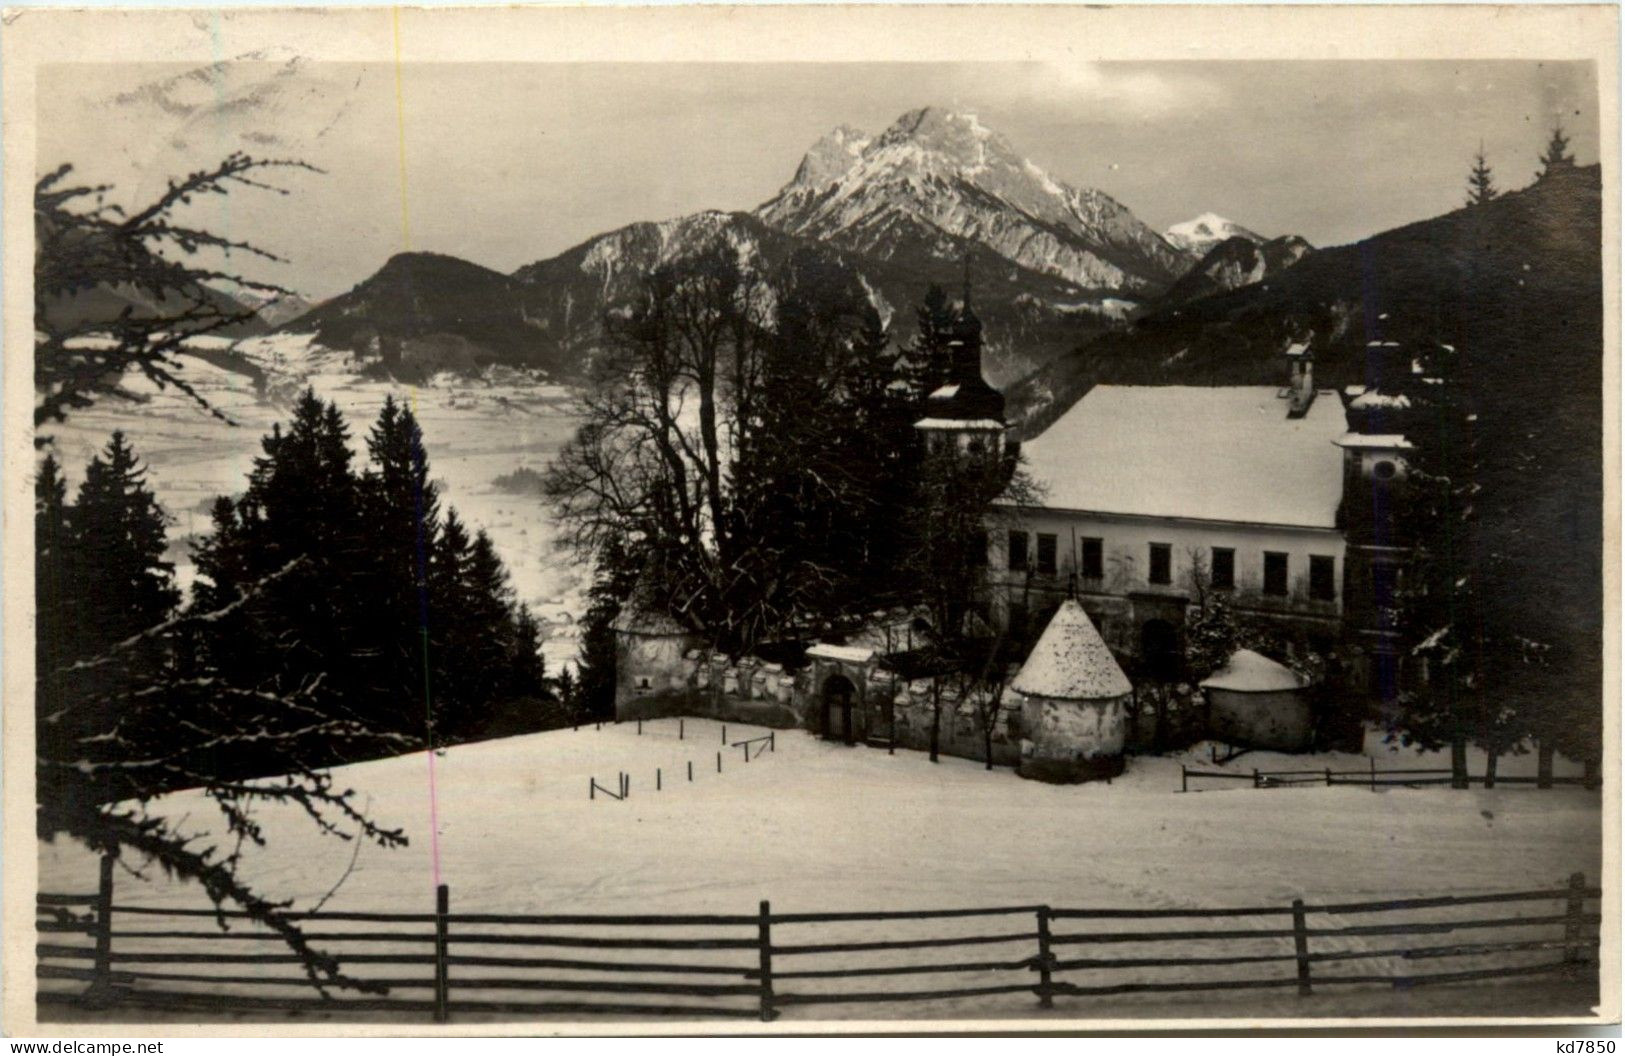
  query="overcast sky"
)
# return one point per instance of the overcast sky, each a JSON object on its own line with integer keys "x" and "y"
{"x": 506, "y": 164}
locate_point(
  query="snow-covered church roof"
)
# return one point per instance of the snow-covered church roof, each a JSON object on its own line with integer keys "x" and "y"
{"x": 1071, "y": 661}
{"x": 1250, "y": 672}
{"x": 1223, "y": 454}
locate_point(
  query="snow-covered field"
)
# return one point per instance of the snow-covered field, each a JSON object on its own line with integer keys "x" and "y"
{"x": 816, "y": 826}
{"x": 476, "y": 430}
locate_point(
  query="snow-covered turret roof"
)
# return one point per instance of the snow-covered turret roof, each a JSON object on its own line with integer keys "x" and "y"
{"x": 1374, "y": 441}
{"x": 634, "y": 620}
{"x": 1071, "y": 661}
{"x": 1250, "y": 672}
{"x": 855, "y": 654}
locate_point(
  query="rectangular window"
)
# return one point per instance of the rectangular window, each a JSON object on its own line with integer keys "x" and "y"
{"x": 1046, "y": 553}
{"x": 1018, "y": 551}
{"x": 1274, "y": 573}
{"x": 1093, "y": 563}
{"x": 1224, "y": 568}
{"x": 1322, "y": 578}
{"x": 1162, "y": 561}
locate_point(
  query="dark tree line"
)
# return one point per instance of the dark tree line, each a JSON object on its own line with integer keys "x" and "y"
{"x": 405, "y": 613}
{"x": 748, "y": 464}
{"x": 742, "y": 450}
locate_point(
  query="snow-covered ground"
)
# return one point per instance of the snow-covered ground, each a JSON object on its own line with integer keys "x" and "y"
{"x": 476, "y": 430}
{"x": 816, "y": 826}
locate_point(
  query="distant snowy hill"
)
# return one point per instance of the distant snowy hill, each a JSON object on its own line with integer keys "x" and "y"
{"x": 274, "y": 309}
{"x": 423, "y": 312}
{"x": 1200, "y": 235}
{"x": 1237, "y": 262}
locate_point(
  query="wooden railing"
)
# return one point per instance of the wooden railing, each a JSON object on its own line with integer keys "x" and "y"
{"x": 1369, "y": 778}
{"x": 708, "y": 966}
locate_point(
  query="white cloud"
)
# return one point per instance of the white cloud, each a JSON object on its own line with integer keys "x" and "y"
{"x": 1133, "y": 90}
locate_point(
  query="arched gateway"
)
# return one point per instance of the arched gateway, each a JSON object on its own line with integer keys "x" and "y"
{"x": 837, "y": 696}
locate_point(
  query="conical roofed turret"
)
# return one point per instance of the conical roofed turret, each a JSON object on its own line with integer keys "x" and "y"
{"x": 1071, "y": 661}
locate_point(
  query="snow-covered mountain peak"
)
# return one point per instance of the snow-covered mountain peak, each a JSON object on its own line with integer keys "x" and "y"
{"x": 831, "y": 156}
{"x": 1198, "y": 235}
{"x": 941, "y": 180}
{"x": 954, "y": 137}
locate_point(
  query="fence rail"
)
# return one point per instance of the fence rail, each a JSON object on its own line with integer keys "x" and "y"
{"x": 705, "y": 966}
{"x": 1370, "y": 778}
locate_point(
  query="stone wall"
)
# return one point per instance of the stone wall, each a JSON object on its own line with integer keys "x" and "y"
{"x": 662, "y": 677}
{"x": 667, "y": 680}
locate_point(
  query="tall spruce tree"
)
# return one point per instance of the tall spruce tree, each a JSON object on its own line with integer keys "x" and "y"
{"x": 403, "y": 508}
{"x": 117, "y": 531}
{"x": 1480, "y": 180}
{"x": 1556, "y": 157}
{"x": 55, "y": 582}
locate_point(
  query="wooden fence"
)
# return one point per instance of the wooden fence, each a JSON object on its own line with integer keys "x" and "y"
{"x": 709, "y": 966}
{"x": 1369, "y": 778}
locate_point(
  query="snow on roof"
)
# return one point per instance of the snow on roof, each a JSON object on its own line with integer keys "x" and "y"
{"x": 1250, "y": 672}
{"x": 634, "y": 620}
{"x": 959, "y": 423}
{"x": 1378, "y": 441}
{"x": 1297, "y": 348}
{"x": 1373, "y": 398}
{"x": 945, "y": 392}
{"x": 1071, "y": 661}
{"x": 1225, "y": 454}
{"x": 850, "y": 653}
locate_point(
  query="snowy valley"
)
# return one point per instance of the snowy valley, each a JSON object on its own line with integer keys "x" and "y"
{"x": 477, "y": 427}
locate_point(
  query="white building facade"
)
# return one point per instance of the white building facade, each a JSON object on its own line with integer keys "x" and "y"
{"x": 1155, "y": 495}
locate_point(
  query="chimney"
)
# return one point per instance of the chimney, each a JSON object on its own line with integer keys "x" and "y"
{"x": 1300, "y": 379}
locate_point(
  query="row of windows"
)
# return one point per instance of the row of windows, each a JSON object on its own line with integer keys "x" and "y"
{"x": 1222, "y": 566}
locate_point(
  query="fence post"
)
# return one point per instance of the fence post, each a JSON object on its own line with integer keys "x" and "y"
{"x": 640, "y": 727}
{"x": 1300, "y": 943}
{"x": 719, "y": 762}
{"x": 1573, "y": 930}
{"x": 1255, "y": 777}
{"x": 771, "y": 741}
{"x": 101, "y": 988}
{"x": 1373, "y": 773}
{"x": 679, "y": 729}
{"x": 1045, "y": 960}
{"x": 725, "y": 733}
{"x": 1184, "y": 783}
{"x": 746, "y": 746}
{"x": 764, "y": 942}
{"x": 691, "y": 769}
{"x": 1328, "y": 777}
{"x": 442, "y": 903}
{"x": 657, "y": 779}
{"x": 592, "y": 788}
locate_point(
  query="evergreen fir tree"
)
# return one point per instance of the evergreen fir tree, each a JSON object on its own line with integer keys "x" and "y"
{"x": 527, "y": 667}
{"x": 925, "y": 360}
{"x": 403, "y": 510}
{"x": 1556, "y": 156}
{"x": 1480, "y": 180}
{"x": 54, "y": 579}
{"x": 122, "y": 579}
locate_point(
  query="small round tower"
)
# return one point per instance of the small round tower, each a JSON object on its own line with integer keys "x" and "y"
{"x": 1074, "y": 702}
